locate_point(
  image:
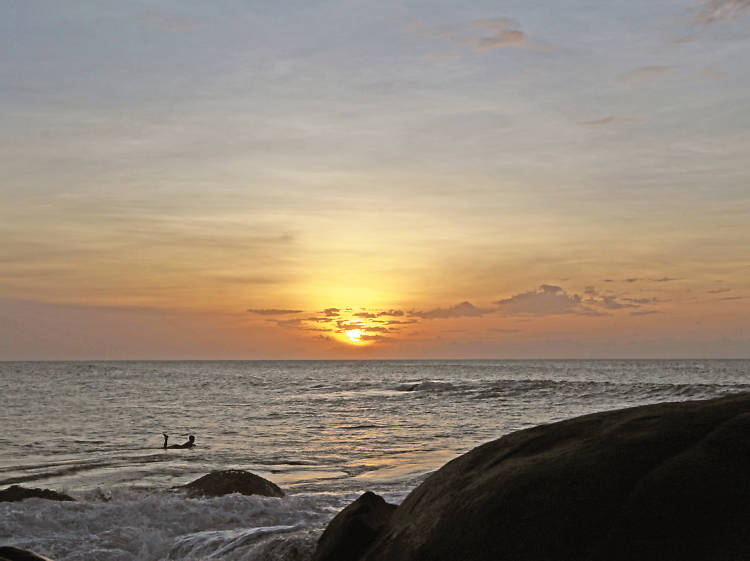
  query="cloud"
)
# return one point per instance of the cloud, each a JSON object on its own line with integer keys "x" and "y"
{"x": 641, "y": 300}
{"x": 294, "y": 323}
{"x": 614, "y": 302}
{"x": 644, "y": 312}
{"x": 632, "y": 279}
{"x": 611, "y": 120}
{"x": 546, "y": 300}
{"x": 719, "y": 290}
{"x": 503, "y": 330}
{"x": 394, "y": 313}
{"x": 401, "y": 322}
{"x": 273, "y": 311}
{"x": 643, "y": 75}
{"x": 611, "y": 303}
{"x": 380, "y": 338}
{"x": 664, "y": 279}
{"x": 368, "y": 315}
{"x": 464, "y": 309}
{"x": 331, "y": 312}
{"x": 501, "y": 32}
{"x": 492, "y": 33}
{"x": 718, "y": 10}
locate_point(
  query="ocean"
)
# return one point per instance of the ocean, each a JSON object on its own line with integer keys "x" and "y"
{"x": 324, "y": 431}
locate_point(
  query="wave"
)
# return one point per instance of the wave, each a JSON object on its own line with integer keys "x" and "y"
{"x": 126, "y": 525}
{"x": 581, "y": 390}
{"x": 425, "y": 386}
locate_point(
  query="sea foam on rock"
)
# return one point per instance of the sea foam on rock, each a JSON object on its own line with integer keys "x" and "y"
{"x": 659, "y": 482}
{"x": 218, "y": 483}
{"x": 17, "y": 493}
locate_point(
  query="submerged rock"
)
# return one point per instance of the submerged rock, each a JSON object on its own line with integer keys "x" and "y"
{"x": 659, "y": 482}
{"x": 354, "y": 529}
{"x": 18, "y": 493}
{"x": 8, "y": 553}
{"x": 218, "y": 483}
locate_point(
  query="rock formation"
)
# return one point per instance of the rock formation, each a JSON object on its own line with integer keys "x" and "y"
{"x": 354, "y": 529}
{"x": 218, "y": 483}
{"x": 659, "y": 482}
{"x": 18, "y": 493}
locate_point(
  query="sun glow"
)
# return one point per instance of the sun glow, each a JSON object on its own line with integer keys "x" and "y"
{"x": 355, "y": 335}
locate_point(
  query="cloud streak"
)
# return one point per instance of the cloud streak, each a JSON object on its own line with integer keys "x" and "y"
{"x": 718, "y": 10}
{"x": 482, "y": 34}
{"x": 643, "y": 75}
{"x": 273, "y": 311}
{"x": 610, "y": 120}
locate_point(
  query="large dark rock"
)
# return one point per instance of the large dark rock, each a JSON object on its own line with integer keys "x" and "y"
{"x": 354, "y": 529}
{"x": 661, "y": 482}
{"x": 8, "y": 553}
{"x": 218, "y": 483}
{"x": 18, "y": 493}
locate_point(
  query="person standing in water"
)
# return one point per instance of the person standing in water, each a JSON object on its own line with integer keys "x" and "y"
{"x": 189, "y": 444}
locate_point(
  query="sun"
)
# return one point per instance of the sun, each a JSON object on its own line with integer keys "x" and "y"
{"x": 355, "y": 335}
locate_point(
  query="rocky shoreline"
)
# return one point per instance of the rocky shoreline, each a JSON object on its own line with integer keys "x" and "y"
{"x": 665, "y": 482}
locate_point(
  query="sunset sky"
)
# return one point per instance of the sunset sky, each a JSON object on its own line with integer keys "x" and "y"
{"x": 391, "y": 179}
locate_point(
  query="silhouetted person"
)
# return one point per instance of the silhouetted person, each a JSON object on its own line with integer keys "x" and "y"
{"x": 189, "y": 444}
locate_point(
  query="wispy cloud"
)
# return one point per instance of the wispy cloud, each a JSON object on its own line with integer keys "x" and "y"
{"x": 483, "y": 34}
{"x": 295, "y": 322}
{"x": 644, "y": 74}
{"x": 273, "y": 311}
{"x": 604, "y": 121}
{"x": 368, "y": 315}
{"x": 464, "y": 309}
{"x": 644, "y": 312}
{"x": 393, "y": 313}
{"x": 718, "y": 10}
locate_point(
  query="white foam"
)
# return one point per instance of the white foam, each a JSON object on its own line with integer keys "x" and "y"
{"x": 170, "y": 526}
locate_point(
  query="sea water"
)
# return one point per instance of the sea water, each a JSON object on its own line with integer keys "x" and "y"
{"x": 323, "y": 431}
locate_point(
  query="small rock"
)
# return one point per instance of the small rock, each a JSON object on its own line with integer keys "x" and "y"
{"x": 218, "y": 483}
{"x": 17, "y": 493}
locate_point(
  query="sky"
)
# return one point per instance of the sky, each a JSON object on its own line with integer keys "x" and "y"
{"x": 358, "y": 180}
